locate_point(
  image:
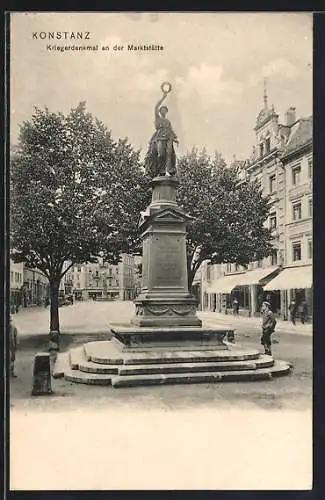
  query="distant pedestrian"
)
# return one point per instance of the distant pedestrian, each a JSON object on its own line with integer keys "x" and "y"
{"x": 268, "y": 327}
{"x": 303, "y": 312}
{"x": 235, "y": 307}
{"x": 13, "y": 334}
{"x": 293, "y": 311}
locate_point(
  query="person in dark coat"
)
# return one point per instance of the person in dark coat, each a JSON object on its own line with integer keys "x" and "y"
{"x": 303, "y": 311}
{"x": 268, "y": 327}
{"x": 235, "y": 307}
{"x": 13, "y": 334}
{"x": 293, "y": 311}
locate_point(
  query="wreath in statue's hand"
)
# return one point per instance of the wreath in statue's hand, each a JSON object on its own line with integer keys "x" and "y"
{"x": 166, "y": 87}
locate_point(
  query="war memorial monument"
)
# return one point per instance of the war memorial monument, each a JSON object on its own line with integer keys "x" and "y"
{"x": 165, "y": 342}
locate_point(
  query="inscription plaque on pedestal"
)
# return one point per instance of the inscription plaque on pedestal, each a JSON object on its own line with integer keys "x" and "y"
{"x": 168, "y": 263}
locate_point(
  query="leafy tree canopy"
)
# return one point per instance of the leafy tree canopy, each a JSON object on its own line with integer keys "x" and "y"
{"x": 74, "y": 192}
{"x": 229, "y": 212}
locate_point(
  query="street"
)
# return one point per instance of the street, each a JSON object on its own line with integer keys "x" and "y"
{"x": 164, "y": 437}
{"x": 86, "y": 321}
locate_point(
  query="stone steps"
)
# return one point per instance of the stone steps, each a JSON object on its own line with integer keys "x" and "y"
{"x": 155, "y": 368}
{"x": 90, "y": 367}
{"x": 106, "y": 353}
{"x": 88, "y": 378}
{"x": 221, "y": 366}
{"x": 279, "y": 368}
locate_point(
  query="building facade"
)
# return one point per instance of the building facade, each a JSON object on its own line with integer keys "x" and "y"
{"x": 101, "y": 280}
{"x": 16, "y": 285}
{"x": 28, "y": 287}
{"x": 281, "y": 161}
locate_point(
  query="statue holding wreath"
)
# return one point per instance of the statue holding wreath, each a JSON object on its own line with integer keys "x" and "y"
{"x": 161, "y": 157}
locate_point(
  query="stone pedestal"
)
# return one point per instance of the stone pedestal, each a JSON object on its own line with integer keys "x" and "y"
{"x": 133, "y": 339}
{"x": 165, "y": 299}
{"x": 165, "y": 318}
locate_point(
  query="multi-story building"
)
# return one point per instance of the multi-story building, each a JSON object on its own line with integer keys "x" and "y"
{"x": 281, "y": 161}
{"x": 16, "y": 285}
{"x": 295, "y": 279}
{"x": 101, "y": 280}
{"x": 35, "y": 288}
{"x": 28, "y": 287}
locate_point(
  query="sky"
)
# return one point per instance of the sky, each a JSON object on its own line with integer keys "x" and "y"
{"x": 216, "y": 63}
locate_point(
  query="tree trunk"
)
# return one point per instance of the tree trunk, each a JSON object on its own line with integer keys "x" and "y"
{"x": 54, "y": 311}
{"x": 191, "y": 272}
{"x": 190, "y": 278}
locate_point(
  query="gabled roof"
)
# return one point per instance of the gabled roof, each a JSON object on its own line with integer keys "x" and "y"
{"x": 301, "y": 133}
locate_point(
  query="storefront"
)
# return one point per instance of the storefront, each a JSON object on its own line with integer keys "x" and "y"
{"x": 94, "y": 295}
{"x": 246, "y": 288}
{"x": 293, "y": 283}
{"x": 220, "y": 293}
{"x": 250, "y": 290}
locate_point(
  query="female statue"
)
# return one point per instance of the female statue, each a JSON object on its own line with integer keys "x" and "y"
{"x": 161, "y": 158}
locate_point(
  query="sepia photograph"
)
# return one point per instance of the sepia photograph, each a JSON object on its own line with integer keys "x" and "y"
{"x": 160, "y": 307}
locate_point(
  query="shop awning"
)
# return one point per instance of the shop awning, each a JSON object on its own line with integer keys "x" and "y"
{"x": 225, "y": 284}
{"x": 257, "y": 276}
{"x": 291, "y": 278}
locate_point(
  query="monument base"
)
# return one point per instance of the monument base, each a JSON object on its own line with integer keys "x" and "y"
{"x": 166, "y": 311}
{"x": 129, "y": 338}
{"x": 102, "y": 363}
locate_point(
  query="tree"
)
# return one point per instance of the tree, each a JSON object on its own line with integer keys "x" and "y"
{"x": 74, "y": 195}
{"x": 229, "y": 212}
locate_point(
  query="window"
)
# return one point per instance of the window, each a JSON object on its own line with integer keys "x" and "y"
{"x": 296, "y": 210}
{"x": 228, "y": 267}
{"x": 310, "y": 167}
{"x": 310, "y": 249}
{"x": 296, "y": 251}
{"x": 78, "y": 285}
{"x": 310, "y": 207}
{"x": 273, "y": 220}
{"x": 236, "y": 267}
{"x": 12, "y": 275}
{"x": 296, "y": 170}
{"x": 272, "y": 183}
{"x": 260, "y": 263}
{"x": 274, "y": 257}
{"x": 267, "y": 145}
{"x": 79, "y": 269}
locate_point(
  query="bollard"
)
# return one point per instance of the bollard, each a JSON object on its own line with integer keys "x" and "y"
{"x": 42, "y": 375}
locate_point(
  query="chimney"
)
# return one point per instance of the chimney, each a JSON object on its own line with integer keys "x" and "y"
{"x": 290, "y": 116}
